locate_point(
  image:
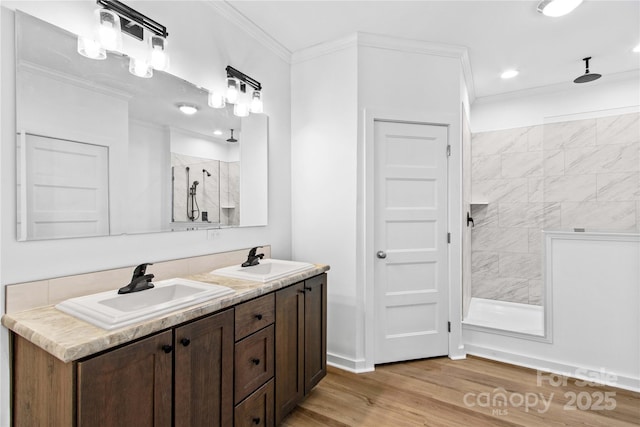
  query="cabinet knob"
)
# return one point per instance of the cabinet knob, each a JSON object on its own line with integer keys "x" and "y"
{"x": 259, "y": 316}
{"x": 256, "y": 420}
{"x": 185, "y": 341}
{"x": 255, "y": 361}
{"x": 167, "y": 348}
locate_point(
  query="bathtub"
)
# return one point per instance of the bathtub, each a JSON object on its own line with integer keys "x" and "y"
{"x": 505, "y": 316}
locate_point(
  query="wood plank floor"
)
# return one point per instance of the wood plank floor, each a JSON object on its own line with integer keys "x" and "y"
{"x": 472, "y": 392}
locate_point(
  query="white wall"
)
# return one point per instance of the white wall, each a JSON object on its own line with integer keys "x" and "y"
{"x": 202, "y": 44}
{"x": 336, "y": 88}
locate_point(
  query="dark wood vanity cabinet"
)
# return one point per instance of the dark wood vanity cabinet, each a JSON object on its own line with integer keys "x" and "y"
{"x": 245, "y": 366}
{"x": 301, "y": 342}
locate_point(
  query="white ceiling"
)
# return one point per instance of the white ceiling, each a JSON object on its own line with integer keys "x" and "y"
{"x": 497, "y": 34}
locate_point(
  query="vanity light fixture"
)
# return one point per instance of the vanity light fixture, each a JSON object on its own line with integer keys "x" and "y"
{"x": 188, "y": 109}
{"x": 216, "y": 100}
{"x": 637, "y": 49}
{"x": 236, "y": 93}
{"x": 556, "y": 8}
{"x": 115, "y": 18}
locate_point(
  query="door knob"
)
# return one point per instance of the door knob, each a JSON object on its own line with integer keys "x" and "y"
{"x": 381, "y": 254}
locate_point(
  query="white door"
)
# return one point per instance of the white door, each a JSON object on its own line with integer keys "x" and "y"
{"x": 67, "y": 188}
{"x": 411, "y": 274}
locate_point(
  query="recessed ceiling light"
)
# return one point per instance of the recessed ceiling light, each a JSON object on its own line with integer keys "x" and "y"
{"x": 637, "y": 49}
{"x": 509, "y": 74}
{"x": 188, "y": 109}
{"x": 555, "y": 8}
{"x": 217, "y": 132}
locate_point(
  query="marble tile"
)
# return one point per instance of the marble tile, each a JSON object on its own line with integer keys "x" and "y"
{"x": 535, "y": 138}
{"x": 536, "y": 294}
{"x": 602, "y": 159}
{"x": 553, "y": 163}
{"x": 569, "y": 188}
{"x": 600, "y": 215}
{"x": 517, "y": 165}
{"x": 618, "y": 187}
{"x": 523, "y": 266}
{"x": 26, "y": 296}
{"x": 499, "y": 239}
{"x": 536, "y": 240}
{"x": 502, "y": 289}
{"x": 502, "y": 190}
{"x": 579, "y": 133}
{"x": 499, "y": 142}
{"x": 535, "y": 187}
{"x": 486, "y": 167}
{"x": 619, "y": 129}
{"x": 485, "y": 215}
{"x": 485, "y": 263}
{"x": 529, "y": 215}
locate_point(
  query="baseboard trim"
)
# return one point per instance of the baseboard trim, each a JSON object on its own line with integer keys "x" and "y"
{"x": 357, "y": 366}
{"x": 573, "y": 371}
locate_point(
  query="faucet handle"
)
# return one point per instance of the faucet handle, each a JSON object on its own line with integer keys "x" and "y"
{"x": 141, "y": 270}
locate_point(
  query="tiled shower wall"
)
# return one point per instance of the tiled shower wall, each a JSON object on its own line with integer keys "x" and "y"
{"x": 557, "y": 176}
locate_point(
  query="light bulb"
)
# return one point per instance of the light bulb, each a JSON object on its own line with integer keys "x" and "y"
{"x": 233, "y": 89}
{"x": 140, "y": 68}
{"x": 159, "y": 55}
{"x": 241, "y": 109}
{"x": 216, "y": 100}
{"x": 91, "y": 48}
{"x": 108, "y": 31}
{"x": 256, "y": 102}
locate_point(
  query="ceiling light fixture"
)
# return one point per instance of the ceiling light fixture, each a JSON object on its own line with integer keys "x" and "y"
{"x": 188, "y": 109}
{"x": 236, "y": 93}
{"x": 509, "y": 74}
{"x": 556, "y": 8}
{"x": 115, "y": 18}
{"x": 217, "y": 132}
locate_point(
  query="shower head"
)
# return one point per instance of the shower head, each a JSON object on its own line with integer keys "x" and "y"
{"x": 206, "y": 171}
{"x": 587, "y": 77}
{"x": 232, "y": 139}
{"x": 195, "y": 184}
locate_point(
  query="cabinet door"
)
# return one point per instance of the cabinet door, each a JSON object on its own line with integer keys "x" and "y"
{"x": 130, "y": 386}
{"x": 315, "y": 331}
{"x": 204, "y": 372}
{"x": 289, "y": 345}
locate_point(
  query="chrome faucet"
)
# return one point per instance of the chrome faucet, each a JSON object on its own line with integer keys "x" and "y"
{"x": 140, "y": 281}
{"x": 253, "y": 259}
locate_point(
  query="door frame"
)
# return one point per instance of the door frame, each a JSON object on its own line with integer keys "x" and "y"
{"x": 366, "y": 226}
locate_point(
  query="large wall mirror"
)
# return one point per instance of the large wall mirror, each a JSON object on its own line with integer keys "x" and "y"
{"x": 103, "y": 152}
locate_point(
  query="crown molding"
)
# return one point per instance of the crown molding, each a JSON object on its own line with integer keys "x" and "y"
{"x": 380, "y": 41}
{"x": 226, "y": 10}
{"x": 558, "y": 87}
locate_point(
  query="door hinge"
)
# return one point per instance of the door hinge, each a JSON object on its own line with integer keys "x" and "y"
{"x": 448, "y": 326}
{"x": 448, "y": 237}
{"x": 448, "y": 150}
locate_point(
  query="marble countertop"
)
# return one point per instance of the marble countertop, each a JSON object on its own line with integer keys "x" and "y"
{"x": 69, "y": 338}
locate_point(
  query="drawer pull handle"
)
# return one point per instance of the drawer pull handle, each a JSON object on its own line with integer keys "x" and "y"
{"x": 259, "y": 316}
{"x": 167, "y": 348}
{"x": 308, "y": 288}
{"x": 255, "y": 361}
{"x": 185, "y": 341}
{"x": 256, "y": 420}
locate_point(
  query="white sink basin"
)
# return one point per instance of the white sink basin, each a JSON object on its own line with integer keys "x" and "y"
{"x": 267, "y": 270}
{"x": 110, "y": 310}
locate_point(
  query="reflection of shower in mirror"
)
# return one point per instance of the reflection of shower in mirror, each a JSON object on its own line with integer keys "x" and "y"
{"x": 192, "y": 201}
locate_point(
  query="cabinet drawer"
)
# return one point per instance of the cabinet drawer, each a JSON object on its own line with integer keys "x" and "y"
{"x": 257, "y": 409}
{"x": 254, "y": 315}
{"x": 253, "y": 362}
